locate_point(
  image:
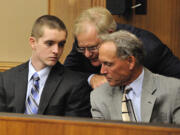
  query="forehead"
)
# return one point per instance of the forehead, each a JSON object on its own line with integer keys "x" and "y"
{"x": 107, "y": 51}
{"x": 88, "y": 38}
{"x": 56, "y": 34}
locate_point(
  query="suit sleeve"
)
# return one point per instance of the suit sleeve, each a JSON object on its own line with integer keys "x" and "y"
{"x": 2, "y": 95}
{"x": 78, "y": 102}
{"x": 176, "y": 110}
{"x": 95, "y": 111}
{"x": 159, "y": 58}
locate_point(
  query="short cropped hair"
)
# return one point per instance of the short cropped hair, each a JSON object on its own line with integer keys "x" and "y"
{"x": 100, "y": 17}
{"x": 127, "y": 45}
{"x": 49, "y": 21}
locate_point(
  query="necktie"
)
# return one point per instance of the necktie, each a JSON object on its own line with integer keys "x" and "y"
{"x": 31, "y": 103}
{"x": 125, "y": 111}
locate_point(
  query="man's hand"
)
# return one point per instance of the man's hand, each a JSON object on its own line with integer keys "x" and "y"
{"x": 97, "y": 80}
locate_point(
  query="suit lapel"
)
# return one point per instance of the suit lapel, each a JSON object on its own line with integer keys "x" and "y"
{"x": 50, "y": 87}
{"x": 148, "y": 97}
{"x": 116, "y": 104}
{"x": 21, "y": 79}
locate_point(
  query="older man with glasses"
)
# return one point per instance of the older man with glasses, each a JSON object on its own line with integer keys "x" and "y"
{"x": 94, "y": 22}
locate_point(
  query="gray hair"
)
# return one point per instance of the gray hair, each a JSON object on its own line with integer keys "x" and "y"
{"x": 127, "y": 45}
{"x": 100, "y": 17}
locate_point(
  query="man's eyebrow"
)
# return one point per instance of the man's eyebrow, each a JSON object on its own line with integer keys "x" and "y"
{"x": 62, "y": 41}
{"x": 49, "y": 41}
{"x": 91, "y": 46}
{"x": 55, "y": 41}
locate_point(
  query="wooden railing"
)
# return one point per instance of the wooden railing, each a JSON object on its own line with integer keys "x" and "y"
{"x": 7, "y": 65}
{"x": 17, "y": 124}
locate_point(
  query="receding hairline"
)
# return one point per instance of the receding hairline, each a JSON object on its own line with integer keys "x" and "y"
{"x": 100, "y": 17}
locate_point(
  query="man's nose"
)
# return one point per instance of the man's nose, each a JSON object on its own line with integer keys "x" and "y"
{"x": 87, "y": 53}
{"x": 103, "y": 69}
{"x": 55, "y": 48}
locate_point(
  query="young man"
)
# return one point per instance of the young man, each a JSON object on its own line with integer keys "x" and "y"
{"x": 150, "y": 97}
{"x": 96, "y": 21}
{"x": 42, "y": 85}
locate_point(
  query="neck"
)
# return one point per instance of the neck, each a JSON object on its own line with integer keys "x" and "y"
{"x": 37, "y": 65}
{"x": 135, "y": 74}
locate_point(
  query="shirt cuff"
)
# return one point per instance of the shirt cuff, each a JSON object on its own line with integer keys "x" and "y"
{"x": 89, "y": 79}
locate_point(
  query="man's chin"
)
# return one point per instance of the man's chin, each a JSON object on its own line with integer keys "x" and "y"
{"x": 52, "y": 63}
{"x": 112, "y": 84}
{"x": 96, "y": 63}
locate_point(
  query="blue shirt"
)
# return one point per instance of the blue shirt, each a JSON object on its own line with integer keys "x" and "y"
{"x": 43, "y": 74}
{"x": 135, "y": 95}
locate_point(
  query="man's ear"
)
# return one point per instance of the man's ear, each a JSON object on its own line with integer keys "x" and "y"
{"x": 32, "y": 42}
{"x": 132, "y": 62}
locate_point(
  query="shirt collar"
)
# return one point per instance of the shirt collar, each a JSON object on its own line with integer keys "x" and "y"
{"x": 42, "y": 73}
{"x": 136, "y": 85}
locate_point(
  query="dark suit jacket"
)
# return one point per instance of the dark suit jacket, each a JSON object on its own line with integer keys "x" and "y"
{"x": 65, "y": 93}
{"x": 159, "y": 58}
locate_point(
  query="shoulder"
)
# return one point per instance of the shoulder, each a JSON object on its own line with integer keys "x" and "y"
{"x": 168, "y": 90}
{"x": 142, "y": 34}
{"x": 9, "y": 77}
{"x": 102, "y": 91}
{"x": 167, "y": 81}
{"x": 17, "y": 69}
{"x": 135, "y": 30}
{"x": 163, "y": 84}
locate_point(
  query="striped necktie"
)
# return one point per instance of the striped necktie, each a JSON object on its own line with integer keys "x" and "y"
{"x": 125, "y": 111}
{"x": 31, "y": 103}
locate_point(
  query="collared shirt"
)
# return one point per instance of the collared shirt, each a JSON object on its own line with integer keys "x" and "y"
{"x": 89, "y": 79}
{"x": 135, "y": 95}
{"x": 43, "y": 74}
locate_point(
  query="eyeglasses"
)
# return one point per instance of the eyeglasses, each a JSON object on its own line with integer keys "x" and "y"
{"x": 90, "y": 49}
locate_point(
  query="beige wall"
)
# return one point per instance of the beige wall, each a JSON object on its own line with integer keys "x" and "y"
{"x": 17, "y": 17}
{"x": 68, "y": 10}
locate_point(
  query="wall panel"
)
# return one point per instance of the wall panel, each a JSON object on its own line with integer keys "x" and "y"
{"x": 17, "y": 18}
{"x": 68, "y": 10}
{"x": 163, "y": 19}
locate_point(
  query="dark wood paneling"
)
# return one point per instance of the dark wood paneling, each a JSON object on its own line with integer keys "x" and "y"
{"x": 163, "y": 19}
{"x": 101, "y": 3}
